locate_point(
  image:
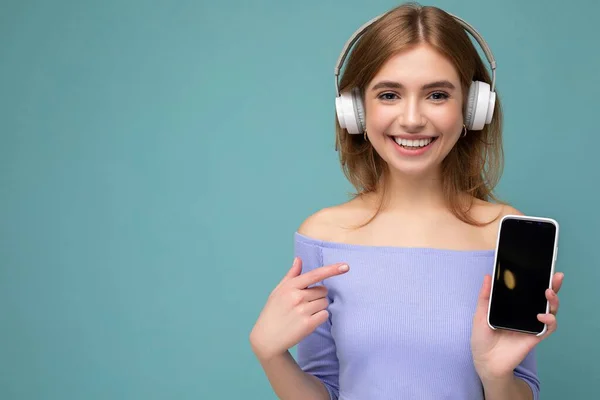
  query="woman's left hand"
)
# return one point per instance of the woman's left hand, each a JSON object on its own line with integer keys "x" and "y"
{"x": 496, "y": 353}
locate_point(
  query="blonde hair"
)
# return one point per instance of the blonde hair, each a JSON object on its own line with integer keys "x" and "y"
{"x": 475, "y": 164}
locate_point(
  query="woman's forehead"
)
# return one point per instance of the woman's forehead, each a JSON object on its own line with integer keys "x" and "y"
{"x": 417, "y": 66}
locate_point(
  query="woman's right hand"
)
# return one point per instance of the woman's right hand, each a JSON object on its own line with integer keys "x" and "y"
{"x": 293, "y": 310}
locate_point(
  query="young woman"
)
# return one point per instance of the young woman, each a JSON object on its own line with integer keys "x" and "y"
{"x": 388, "y": 295}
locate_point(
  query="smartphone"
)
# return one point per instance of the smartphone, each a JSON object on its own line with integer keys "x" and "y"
{"x": 525, "y": 257}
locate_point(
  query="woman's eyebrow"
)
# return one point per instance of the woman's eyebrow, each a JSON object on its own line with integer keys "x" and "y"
{"x": 397, "y": 85}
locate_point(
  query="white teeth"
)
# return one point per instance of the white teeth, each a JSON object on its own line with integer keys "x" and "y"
{"x": 413, "y": 143}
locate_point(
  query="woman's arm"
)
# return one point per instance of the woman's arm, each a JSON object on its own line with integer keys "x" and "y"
{"x": 289, "y": 381}
{"x": 509, "y": 388}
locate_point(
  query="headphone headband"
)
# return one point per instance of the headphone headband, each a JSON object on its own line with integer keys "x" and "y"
{"x": 358, "y": 33}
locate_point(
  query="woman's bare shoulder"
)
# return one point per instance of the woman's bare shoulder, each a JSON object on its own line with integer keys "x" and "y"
{"x": 329, "y": 222}
{"x": 486, "y": 210}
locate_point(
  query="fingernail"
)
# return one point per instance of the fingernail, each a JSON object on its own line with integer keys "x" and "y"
{"x": 344, "y": 268}
{"x": 562, "y": 275}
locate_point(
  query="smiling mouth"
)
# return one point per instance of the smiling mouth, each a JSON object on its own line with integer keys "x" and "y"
{"x": 414, "y": 144}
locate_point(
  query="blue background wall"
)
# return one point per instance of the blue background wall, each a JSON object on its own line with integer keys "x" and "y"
{"x": 156, "y": 158}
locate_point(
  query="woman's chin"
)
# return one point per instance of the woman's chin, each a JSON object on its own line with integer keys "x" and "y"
{"x": 413, "y": 168}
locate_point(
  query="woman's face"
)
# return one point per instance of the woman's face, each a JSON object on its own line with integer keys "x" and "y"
{"x": 413, "y": 110}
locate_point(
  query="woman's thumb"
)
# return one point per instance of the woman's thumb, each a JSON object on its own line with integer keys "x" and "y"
{"x": 484, "y": 293}
{"x": 295, "y": 270}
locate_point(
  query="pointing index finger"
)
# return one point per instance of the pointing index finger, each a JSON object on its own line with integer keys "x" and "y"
{"x": 319, "y": 274}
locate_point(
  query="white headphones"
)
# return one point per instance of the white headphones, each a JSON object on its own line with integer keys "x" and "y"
{"x": 481, "y": 100}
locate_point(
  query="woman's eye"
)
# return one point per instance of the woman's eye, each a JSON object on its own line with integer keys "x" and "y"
{"x": 388, "y": 96}
{"x": 437, "y": 96}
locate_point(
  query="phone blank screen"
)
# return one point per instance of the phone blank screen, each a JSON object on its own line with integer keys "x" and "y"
{"x": 524, "y": 263}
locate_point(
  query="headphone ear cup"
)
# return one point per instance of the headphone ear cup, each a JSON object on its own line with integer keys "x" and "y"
{"x": 469, "y": 113}
{"x": 480, "y": 106}
{"x": 346, "y": 111}
{"x": 359, "y": 109}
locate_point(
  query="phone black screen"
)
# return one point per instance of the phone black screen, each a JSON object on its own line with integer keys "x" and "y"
{"x": 523, "y": 267}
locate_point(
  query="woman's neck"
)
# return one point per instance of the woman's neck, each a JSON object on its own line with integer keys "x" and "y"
{"x": 422, "y": 193}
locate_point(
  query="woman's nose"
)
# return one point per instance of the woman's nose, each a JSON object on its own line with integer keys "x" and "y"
{"x": 411, "y": 119}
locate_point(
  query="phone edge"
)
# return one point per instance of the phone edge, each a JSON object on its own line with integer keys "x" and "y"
{"x": 552, "y": 269}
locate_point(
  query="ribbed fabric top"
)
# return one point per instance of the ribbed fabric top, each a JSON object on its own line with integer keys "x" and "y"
{"x": 400, "y": 322}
